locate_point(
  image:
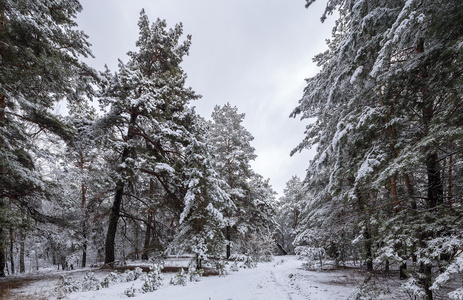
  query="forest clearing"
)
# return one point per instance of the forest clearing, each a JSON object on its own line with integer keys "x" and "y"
{"x": 282, "y": 278}
{"x": 109, "y": 178}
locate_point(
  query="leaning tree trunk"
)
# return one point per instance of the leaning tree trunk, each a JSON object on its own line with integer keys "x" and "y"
{"x": 116, "y": 207}
{"x": 112, "y": 225}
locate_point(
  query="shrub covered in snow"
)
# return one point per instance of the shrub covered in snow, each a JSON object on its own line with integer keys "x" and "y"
{"x": 152, "y": 280}
{"x": 110, "y": 279}
{"x": 90, "y": 282}
{"x": 179, "y": 279}
{"x": 312, "y": 255}
{"x": 414, "y": 288}
{"x": 246, "y": 261}
{"x": 194, "y": 273}
{"x": 68, "y": 285}
{"x": 220, "y": 267}
{"x": 130, "y": 292}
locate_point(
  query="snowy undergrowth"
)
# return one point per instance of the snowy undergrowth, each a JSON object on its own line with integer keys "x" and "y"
{"x": 283, "y": 278}
{"x": 151, "y": 281}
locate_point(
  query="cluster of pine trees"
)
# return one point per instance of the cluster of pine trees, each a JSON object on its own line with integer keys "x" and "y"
{"x": 386, "y": 183}
{"x": 144, "y": 175}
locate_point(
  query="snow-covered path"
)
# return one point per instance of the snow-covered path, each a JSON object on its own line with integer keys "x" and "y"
{"x": 281, "y": 279}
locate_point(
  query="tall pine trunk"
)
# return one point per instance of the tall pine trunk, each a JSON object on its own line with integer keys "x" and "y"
{"x": 228, "y": 238}
{"x": 366, "y": 231}
{"x": 2, "y": 255}
{"x": 116, "y": 207}
{"x": 22, "y": 265}
{"x": 435, "y": 188}
{"x": 112, "y": 225}
{"x": 11, "y": 250}
{"x": 147, "y": 242}
{"x": 84, "y": 249}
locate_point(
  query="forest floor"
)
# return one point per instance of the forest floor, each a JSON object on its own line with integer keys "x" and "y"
{"x": 283, "y": 278}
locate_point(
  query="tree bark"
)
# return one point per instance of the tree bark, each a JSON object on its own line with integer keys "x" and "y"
{"x": 2, "y": 255}
{"x": 147, "y": 242}
{"x": 403, "y": 271}
{"x": 368, "y": 250}
{"x": 2, "y": 107}
{"x": 22, "y": 265}
{"x": 2, "y": 262}
{"x": 112, "y": 225}
{"x": 449, "y": 186}
{"x": 116, "y": 207}
{"x": 435, "y": 188}
{"x": 426, "y": 270}
{"x": 84, "y": 249}
{"x": 228, "y": 238}
{"x": 366, "y": 231}
{"x": 11, "y": 250}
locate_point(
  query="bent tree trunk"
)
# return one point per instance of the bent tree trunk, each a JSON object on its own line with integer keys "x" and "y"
{"x": 116, "y": 207}
{"x": 112, "y": 225}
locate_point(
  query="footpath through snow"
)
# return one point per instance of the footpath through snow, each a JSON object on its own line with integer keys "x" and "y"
{"x": 282, "y": 278}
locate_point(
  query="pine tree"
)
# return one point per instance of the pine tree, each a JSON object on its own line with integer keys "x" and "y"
{"x": 251, "y": 194}
{"x": 206, "y": 199}
{"x": 40, "y": 66}
{"x": 147, "y": 114}
{"x": 289, "y": 214}
{"x": 387, "y": 107}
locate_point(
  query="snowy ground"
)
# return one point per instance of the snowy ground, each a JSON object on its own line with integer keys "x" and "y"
{"x": 282, "y": 278}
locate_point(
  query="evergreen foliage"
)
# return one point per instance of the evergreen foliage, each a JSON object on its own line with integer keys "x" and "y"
{"x": 40, "y": 66}
{"x": 387, "y": 104}
{"x": 251, "y": 195}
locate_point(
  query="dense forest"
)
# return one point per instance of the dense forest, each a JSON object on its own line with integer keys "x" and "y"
{"x": 143, "y": 176}
{"x": 132, "y": 171}
{"x": 386, "y": 184}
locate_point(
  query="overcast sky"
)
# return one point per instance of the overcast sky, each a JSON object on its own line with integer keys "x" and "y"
{"x": 254, "y": 54}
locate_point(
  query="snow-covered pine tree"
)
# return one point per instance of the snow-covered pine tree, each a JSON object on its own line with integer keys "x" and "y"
{"x": 288, "y": 214}
{"x": 84, "y": 176}
{"x": 348, "y": 127}
{"x": 388, "y": 109}
{"x": 40, "y": 66}
{"x": 233, "y": 153}
{"x": 206, "y": 199}
{"x": 418, "y": 70}
{"x": 146, "y": 101}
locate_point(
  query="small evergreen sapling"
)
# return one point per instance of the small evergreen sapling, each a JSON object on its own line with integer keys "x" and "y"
{"x": 179, "y": 279}
{"x": 90, "y": 282}
{"x": 194, "y": 273}
{"x": 152, "y": 280}
{"x": 130, "y": 292}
